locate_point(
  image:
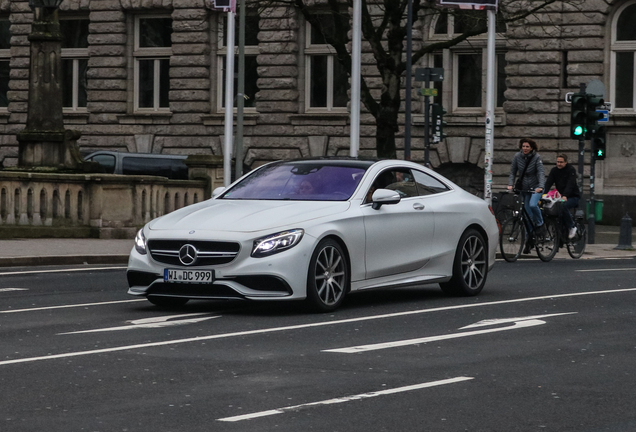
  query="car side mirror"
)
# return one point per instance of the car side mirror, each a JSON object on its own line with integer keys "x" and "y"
{"x": 218, "y": 191}
{"x": 384, "y": 196}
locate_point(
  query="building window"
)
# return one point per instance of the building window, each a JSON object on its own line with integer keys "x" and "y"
{"x": 465, "y": 65}
{"x": 326, "y": 80}
{"x": 152, "y": 51}
{"x": 74, "y": 63}
{"x": 622, "y": 59}
{"x": 250, "y": 51}
{"x": 5, "y": 57}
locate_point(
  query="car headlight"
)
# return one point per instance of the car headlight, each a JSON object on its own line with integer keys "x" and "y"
{"x": 140, "y": 242}
{"x": 276, "y": 243}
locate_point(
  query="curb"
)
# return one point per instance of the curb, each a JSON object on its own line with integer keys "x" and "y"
{"x": 63, "y": 260}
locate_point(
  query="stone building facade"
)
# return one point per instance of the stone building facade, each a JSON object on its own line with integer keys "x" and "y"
{"x": 166, "y": 96}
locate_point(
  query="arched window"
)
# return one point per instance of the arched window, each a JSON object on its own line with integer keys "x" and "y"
{"x": 623, "y": 59}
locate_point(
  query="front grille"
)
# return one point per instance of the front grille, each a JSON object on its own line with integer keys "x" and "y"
{"x": 208, "y": 252}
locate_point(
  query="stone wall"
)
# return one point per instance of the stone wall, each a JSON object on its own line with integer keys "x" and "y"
{"x": 547, "y": 56}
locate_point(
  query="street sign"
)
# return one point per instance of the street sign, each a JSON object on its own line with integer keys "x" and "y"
{"x": 434, "y": 74}
{"x": 596, "y": 87}
{"x": 605, "y": 113}
{"x": 470, "y": 4}
{"x": 428, "y": 92}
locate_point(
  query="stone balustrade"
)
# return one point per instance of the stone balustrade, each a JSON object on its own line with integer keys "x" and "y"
{"x": 89, "y": 205}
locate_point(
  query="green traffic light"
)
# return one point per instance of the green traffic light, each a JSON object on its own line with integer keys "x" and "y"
{"x": 599, "y": 153}
{"x": 578, "y": 130}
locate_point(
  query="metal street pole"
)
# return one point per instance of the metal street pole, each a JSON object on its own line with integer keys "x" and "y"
{"x": 229, "y": 101}
{"x": 240, "y": 96}
{"x": 490, "y": 107}
{"x": 407, "y": 108}
{"x": 356, "y": 54}
{"x": 582, "y": 89}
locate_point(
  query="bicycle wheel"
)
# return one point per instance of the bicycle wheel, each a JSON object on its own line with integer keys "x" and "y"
{"x": 549, "y": 246}
{"x": 512, "y": 239}
{"x": 576, "y": 246}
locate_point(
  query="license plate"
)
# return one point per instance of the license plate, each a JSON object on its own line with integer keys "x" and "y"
{"x": 188, "y": 276}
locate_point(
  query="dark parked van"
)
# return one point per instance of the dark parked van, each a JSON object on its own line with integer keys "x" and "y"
{"x": 112, "y": 162}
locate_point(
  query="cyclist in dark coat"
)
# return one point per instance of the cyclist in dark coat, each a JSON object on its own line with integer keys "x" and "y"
{"x": 533, "y": 179}
{"x": 563, "y": 177}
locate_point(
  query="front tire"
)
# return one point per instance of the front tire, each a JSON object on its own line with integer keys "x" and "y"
{"x": 576, "y": 246}
{"x": 328, "y": 276}
{"x": 470, "y": 266}
{"x": 549, "y": 247}
{"x": 512, "y": 239}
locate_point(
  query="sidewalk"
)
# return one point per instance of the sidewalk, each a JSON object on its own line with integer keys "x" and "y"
{"x": 32, "y": 252}
{"x": 49, "y": 251}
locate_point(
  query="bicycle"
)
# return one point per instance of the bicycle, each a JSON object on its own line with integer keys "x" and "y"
{"x": 514, "y": 234}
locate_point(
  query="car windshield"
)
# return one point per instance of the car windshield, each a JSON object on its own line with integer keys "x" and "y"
{"x": 300, "y": 181}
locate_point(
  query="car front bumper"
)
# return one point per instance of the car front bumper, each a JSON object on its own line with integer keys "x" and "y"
{"x": 279, "y": 276}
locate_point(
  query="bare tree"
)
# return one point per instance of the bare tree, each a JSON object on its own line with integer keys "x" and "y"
{"x": 384, "y": 28}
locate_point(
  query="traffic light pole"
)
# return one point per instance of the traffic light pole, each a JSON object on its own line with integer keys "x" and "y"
{"x": 591, "y": 218}
{"x": 427, "y": 120}
{"x": 581, "y": 153}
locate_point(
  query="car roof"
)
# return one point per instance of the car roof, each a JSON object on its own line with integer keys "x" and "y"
{"x": 334, "y": 161}
{"x": 142, "y": 155}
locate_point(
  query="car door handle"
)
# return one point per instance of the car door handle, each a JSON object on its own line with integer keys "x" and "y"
{"x": 418, "y": 206}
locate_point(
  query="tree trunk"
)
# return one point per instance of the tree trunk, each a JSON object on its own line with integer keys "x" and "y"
{"x": 386, "y": 126}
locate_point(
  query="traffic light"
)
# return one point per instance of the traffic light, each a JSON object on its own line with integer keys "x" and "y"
{"x": 592, "y": 117}
{"x": 577, "y": 116}
{"x": 438, "y": 122}
{"x": 599, "y": 148}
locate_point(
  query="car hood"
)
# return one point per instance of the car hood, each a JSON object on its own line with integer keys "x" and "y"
{"x": 247, "y": 215}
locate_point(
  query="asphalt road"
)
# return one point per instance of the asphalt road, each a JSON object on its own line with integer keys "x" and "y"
{"x": 546, "y": 347}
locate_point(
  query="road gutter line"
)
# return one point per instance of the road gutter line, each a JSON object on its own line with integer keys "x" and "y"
{"x": 345, "y": 399}
{"x": 302, "y": 326}
{"x": 60, "y": 270}
{"x": 70, "y": 306}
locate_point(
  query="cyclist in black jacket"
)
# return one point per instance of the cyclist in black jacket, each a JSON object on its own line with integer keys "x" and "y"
{"x": 563, "y": 177}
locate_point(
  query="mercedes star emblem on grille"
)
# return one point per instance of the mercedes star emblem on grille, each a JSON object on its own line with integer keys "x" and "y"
{"x": 187, "y": 254}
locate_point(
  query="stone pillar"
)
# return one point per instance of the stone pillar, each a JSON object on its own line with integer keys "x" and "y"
{"x": 44, "y": 142}
{"x": 206, "y": 167}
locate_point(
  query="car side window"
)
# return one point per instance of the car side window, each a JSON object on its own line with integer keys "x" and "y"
{"x": 106, "y": 163}
{"x": 427, "y": 184}
{"x": 398, "y": 179}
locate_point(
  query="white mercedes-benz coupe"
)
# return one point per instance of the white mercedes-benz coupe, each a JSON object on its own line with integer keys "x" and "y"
{"x": 318, "y": 229}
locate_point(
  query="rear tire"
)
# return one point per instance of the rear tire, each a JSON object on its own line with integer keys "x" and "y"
{"x": 549, "y": 247}
{"x": 512, "y": 239}
{"x": 576, "y": 246}
{"x": 470, "y": 266}
{"x": 167, "y": 302}
{"x": 327, "y": 277}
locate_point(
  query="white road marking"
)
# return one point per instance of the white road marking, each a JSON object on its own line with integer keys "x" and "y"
{"x": 304, "y": 326}
{"x": 154, "y": 322}
{"x": 70, "y": 306}
{"x": 60, "y": 270}
{"x": 344, "y": 399}
{"x": 13, "y": 289}
{"x": 607, "y": 270}
{"x": 517, "y": 324}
